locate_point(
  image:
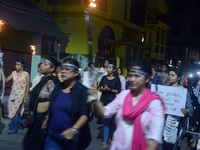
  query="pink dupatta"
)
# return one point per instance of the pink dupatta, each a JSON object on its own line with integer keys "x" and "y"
{"x": 135, "y": 112}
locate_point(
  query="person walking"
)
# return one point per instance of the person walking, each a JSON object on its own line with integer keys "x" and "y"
{"x": 39, "y": 105}
{"x": 18, "y": 95}
{"x": 139, "y": 113}
{"x": 68, "y": 127}
{"x": 110, "y": 86}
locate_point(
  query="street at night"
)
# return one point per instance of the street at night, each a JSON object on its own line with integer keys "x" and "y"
{"x": 135, "y": 63}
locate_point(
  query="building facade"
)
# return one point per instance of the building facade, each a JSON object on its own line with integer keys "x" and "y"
{"x": 122, "y": 29}
{"x": 22, "y": 24}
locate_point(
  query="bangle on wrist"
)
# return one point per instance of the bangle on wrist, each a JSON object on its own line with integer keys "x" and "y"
{"x": 46, "y": 117}
{"x": 75, "y": 130}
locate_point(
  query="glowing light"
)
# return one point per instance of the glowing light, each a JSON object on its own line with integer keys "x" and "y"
{"x": 92, "y": 4}
{"x": 33, "y": 48}
{"x": 1, "y": 22}
{"x": 142, "y": 38}
{"x": 198, "y": 73}
{"x": 191, "y": 75}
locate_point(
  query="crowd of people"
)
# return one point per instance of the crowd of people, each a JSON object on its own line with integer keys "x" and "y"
{"x": 133, "y": 117}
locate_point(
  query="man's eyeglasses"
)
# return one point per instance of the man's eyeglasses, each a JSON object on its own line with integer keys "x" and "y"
{"x": 67, "y": 68}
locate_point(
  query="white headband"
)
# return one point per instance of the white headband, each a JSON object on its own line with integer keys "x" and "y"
{"x": 48, "y": 61}
{"x": 70, "y": 65}
{"x": 139, "y": 71}
{"x": 112, "y": 65}
{"x": 20, "y": 63}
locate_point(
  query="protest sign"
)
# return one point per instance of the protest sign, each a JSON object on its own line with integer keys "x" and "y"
{"x": 174, "y": 98}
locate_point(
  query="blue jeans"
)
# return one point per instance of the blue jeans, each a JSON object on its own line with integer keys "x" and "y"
{"x": 14, "y": 122}
{"x": 53, "y": 144}
{"x": 106, "y": 133}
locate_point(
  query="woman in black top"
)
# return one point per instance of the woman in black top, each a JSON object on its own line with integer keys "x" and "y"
{"x": 39, "y": 105}
{"x": 68, "y": 127}
{"x": 110, "y": 85}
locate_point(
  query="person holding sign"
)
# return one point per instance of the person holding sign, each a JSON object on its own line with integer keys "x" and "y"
{"x": 174, "y": 125}
{"x": 139, "y": 113}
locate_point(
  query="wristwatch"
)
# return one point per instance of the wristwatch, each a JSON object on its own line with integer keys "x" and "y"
{"x": 75, "y": 130}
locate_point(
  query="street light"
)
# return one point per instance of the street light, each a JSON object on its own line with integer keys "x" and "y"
{"x": 92, "y": 3}
{"x": 88, "y": 20}
{"x": 1, "y": 24}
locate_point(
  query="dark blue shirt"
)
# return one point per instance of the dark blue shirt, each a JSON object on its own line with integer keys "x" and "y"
{"x": 60, "y": 115}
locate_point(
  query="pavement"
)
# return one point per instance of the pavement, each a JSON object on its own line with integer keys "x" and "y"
{"x": 10, "y": 142}
{"x": 14, "y": 141}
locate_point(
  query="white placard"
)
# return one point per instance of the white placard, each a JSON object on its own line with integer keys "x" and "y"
{"x": 174, "y": 98}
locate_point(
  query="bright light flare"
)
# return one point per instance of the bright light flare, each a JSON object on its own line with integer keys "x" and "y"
{"x": 92, "y": 4}
{"x": 198, "y": 73}
{"x": 33, "y": 48}
{"x": 2, "y": 22}
{"x": 191, "y": 75}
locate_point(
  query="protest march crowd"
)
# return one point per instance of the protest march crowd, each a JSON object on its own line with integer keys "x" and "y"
{"x": 146, "y": 110}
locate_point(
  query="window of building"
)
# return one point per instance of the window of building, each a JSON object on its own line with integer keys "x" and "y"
{"x": 147, "y": 54}
{"x": 162, "y": 37}
{"x": 37, "y": 1}
{"x": 158, "y": 36}
{"x": 125, "y": 9}
{"x": 138, "y": 12}
{"x": 150, "y": 37}
{"x": 134, "y": 54}
{"x": 162, "y": 50}
{"x": 157, "y": 49}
